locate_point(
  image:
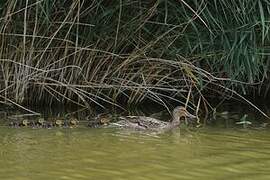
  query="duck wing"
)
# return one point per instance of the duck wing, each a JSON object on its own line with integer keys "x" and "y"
{"x": 141, "y": 122}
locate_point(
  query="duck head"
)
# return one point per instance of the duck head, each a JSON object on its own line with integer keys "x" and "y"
{"x": 181, "y": 113}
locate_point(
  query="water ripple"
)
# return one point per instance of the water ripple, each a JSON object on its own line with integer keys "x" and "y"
{"x": 112, "y": 154}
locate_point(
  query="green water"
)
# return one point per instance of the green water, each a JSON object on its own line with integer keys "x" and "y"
{"x": 83, "y": 153}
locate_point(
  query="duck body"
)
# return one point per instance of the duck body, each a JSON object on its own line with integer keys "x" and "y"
{"x": 149, "y": 123}
{"x": 143, "y": 123}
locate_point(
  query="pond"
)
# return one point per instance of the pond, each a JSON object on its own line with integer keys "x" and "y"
{"x": 84, "y": 153}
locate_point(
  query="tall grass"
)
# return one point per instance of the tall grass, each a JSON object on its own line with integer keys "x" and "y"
{"x": 96, "y": 52}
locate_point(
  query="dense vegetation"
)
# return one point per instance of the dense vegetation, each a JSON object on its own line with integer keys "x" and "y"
{"x": 96, "y": 52}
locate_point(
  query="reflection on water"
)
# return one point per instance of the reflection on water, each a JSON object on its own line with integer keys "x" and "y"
{"x": 83, "y": 153}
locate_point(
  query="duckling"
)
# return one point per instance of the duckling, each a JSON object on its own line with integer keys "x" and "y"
{"x": 103, "y": 119}
{"x": 147, "y": 123}
{"x": 59, "y": 123}
{"x": 24, "y": 123}
{"x": 98, "y": 121}
{"x": 40, "y": 122}
{"x": 73, "y": 122}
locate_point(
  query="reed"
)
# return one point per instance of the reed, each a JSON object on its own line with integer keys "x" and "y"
{"x": 106, "y": 52}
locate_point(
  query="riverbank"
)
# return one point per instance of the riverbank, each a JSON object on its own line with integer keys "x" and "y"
{"x": 123, "y": 54}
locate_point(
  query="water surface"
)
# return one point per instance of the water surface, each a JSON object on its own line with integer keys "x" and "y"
{"x": 83, "y": 153}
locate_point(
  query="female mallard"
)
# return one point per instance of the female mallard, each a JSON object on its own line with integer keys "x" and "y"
{"x": 147, "y": 123}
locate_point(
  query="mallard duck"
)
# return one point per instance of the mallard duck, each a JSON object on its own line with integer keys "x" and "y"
{"x": 147, "y": 123}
